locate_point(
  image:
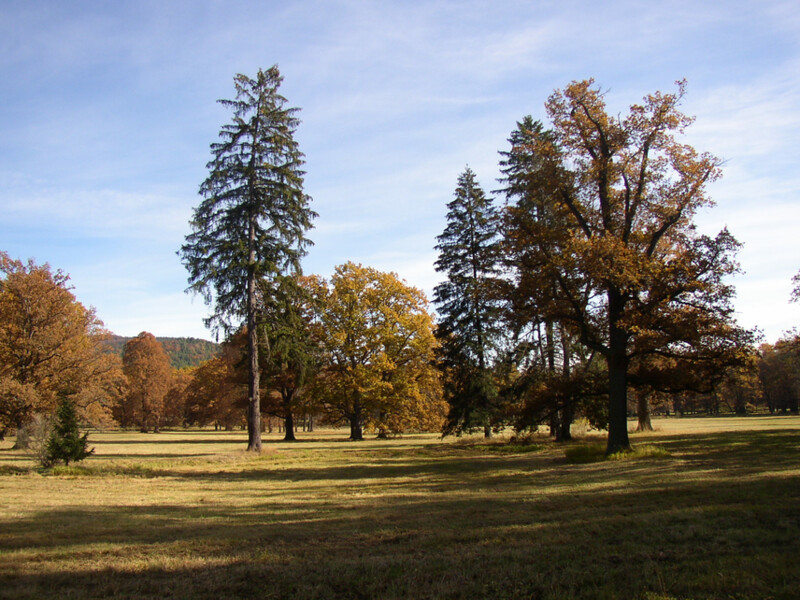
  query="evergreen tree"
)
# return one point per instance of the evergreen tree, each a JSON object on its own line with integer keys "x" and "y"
{"x": 66, "y": 442}
{"x": 545, "y": 350}
{"x": 467, "y": 306}
{"x": 294, "y": 353}
{"x": 252, "y": 221}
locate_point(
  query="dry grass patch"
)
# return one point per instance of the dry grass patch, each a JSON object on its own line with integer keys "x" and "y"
{"x": 190, "y": 515}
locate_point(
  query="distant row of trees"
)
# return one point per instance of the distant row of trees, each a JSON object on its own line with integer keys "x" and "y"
{"x": 182, "y": 351}
{"x": 360, "y": 349}
{"x": 357, "y": 349}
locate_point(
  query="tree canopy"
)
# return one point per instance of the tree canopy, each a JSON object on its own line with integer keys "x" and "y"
{"x": 147, "y": 369}
{"x": 50, "y": 345}
{"x": 378, "y": 348}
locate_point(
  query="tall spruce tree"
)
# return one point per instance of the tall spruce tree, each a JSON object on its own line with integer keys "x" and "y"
{"x": 252, "y": 222}
{"x": 467, "y": 306}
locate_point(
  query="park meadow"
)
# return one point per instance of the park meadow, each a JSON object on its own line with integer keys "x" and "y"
{"x": 702, "y": 508}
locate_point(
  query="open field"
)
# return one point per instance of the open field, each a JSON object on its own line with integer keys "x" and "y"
{"x": 188, "y": 514}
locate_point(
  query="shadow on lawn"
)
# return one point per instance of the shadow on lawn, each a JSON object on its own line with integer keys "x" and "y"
{"x": 442, "y": 527}
{"x": 615, "y": 543}
{"x": 746, "y": 451}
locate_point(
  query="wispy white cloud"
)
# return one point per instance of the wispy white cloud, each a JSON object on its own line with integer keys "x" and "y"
{"x": 109, "y": 213}
{"x": 109, "y": 110}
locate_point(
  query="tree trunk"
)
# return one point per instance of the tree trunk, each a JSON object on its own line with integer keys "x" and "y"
{"x": 643, "y": 411}
{"x": 617, "y": 360}
{"x": 567, "y": 416}
{"x": 555, "y": 425}
{"x": 254, "y": 406}
{"x": 487, "y": 429}
{"x": 356, "y": 433}
{"x": 289, "y": 427}
{"x": 567, "y": 413}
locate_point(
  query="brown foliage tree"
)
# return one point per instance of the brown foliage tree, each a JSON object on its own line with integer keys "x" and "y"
{"x": 50, "y": 345}
{"x": 175, "y": 399}
{"x": 147, "y": 369}
{"x": 632, "y": 276}
{"x": 779, "y": 373}
{"x": 217, "y": 393}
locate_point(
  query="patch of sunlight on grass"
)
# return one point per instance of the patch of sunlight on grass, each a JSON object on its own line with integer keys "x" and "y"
{"x": 591, "y": 453}
{"x": 642, "y": 451}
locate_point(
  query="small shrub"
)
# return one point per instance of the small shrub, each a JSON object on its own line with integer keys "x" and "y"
{"x": 33, "y": 437}
{"x": 643, "y": 451}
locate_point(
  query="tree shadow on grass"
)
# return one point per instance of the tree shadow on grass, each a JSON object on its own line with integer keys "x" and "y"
{"x": 744, "y": 451}
{"x": 450, "y": 526}
{"x": 575, "y": 542}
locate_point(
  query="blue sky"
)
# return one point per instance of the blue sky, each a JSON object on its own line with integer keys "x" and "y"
{"x": 108, "y": 110}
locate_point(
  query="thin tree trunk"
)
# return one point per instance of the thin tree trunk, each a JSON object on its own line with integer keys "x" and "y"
{"x": 254, "y": 406}
{"x": 568, "y": 410}
{"x": 555, "y": 426}
{"x": 643, "y": 411}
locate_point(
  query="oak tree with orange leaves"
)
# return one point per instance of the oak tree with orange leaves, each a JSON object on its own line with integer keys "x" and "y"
{"x": 633, "y": 277}
{"x": 378, "y": 347}
{"x": 50, "y": 346}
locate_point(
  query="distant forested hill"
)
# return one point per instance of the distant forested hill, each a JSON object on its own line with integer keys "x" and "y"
{"x": 182, "y": 352}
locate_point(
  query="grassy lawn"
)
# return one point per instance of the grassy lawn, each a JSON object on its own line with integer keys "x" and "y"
{"x": 714, "y": 513}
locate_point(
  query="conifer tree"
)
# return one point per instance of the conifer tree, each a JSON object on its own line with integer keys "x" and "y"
{"x": 467, "y": 306}
{"x": 545, "y": 348}
{"x": 252, "y": 222}
{"x": 294, "y": 353}
{"x": 66, "y": 442}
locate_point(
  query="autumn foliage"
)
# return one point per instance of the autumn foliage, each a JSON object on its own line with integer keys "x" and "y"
{"x": 377, "y": 343}
{"x": 50, "y": 346}
{"x": 589, "y": 292}
{"x": 147, "y": 369}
